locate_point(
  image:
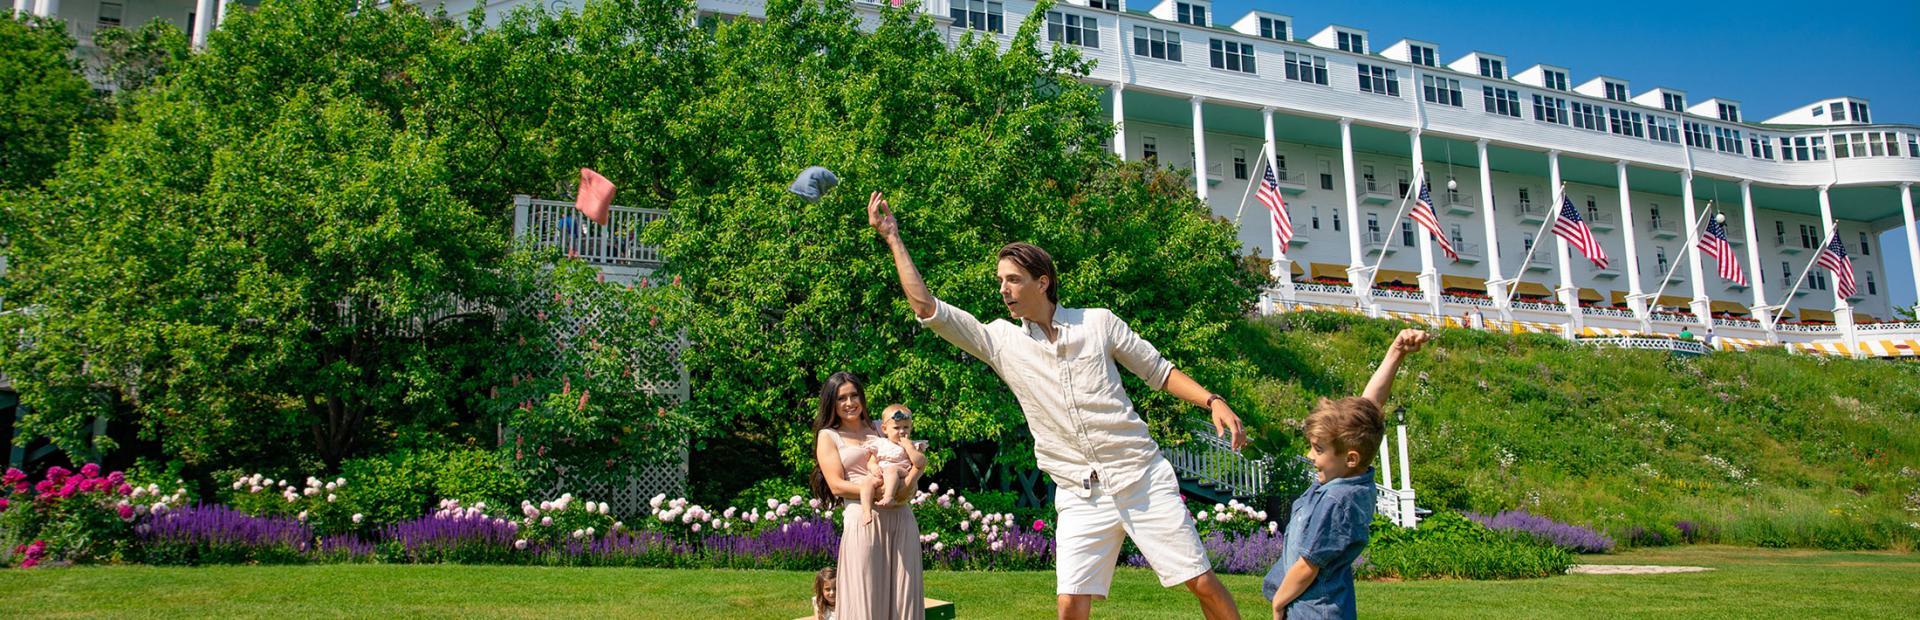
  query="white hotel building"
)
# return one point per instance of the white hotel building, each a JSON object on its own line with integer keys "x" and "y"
{"x": 1352, "y": 122}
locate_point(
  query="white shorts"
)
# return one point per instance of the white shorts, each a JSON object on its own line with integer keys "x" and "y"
{"x": 1149, "y": 511}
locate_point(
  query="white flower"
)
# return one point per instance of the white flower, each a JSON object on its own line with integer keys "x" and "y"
{"x": 591, "y": 531}
{"x": 238, "y": 483}
{"x": 995, "y": 546}
{"x": 520, "y": 544}
{"x": 1262, "y": 515}
{"x": 546, "y": 520}
{"x": 781, "y": 512}
{"x": 976, "y": 515}
{"x": 964, "y": 525}
{"x": 1202, "y": 516}
{"x": 312, "y": 481}
{"x": 772, "y": 503}
{"x": 617, "y": 525}
{"x": 1273, "y": 526}
{"x": 357, "y": 517}
{"x": 655, "y": 502}
{"x": 696, "y": 527}
{"x": 1222, "y": 517}
{"x": 340, "y": 482}
{"x": 729, "y": 513}
{"x": 546, "y": 506}
{"x": 312, "y": 491}
{"x": 933, "y": 488}
{"x": 255, "y": 489}
{"x": 939, "y": 546}
{"x": 814, "y": 503}
{"x": 332, "y": 487}
{"x": 664, "y": 517}
{"x": 578, "y": 533}
{"x": 331, "y": 497}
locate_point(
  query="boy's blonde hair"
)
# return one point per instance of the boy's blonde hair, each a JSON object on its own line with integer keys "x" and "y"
{"x": 1352, "y": 423}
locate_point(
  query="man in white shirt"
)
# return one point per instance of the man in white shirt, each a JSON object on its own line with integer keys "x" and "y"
{"x": 1112, "y": 481}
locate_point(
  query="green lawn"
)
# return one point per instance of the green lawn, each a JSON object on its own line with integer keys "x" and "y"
{"x": 1749, "y": 584}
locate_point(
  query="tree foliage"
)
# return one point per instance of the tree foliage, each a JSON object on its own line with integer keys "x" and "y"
{"x": 44, "y": 99}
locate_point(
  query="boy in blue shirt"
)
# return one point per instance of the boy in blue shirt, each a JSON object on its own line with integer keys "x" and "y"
{"x": 1328, "y": 527}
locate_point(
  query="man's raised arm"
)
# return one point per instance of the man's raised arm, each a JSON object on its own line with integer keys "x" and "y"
{"x": 880, "y": 217}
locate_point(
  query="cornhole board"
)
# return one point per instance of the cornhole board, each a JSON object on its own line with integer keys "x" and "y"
{"x": 936, "y": 610}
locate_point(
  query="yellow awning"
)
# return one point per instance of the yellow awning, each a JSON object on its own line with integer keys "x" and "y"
{"x": 1465, "y": 283}
{"x": 1587, "y": 294}
{"x": 1620, "y": 298}
{"x": 1730, "y": 307}
{"x": 1864, "y": 318}
{"x": 1389, "y": 275}
{"x": 1533, "y": 289}
{"x": 1296, "y": 269}
{"x": 1329, "y": 271}
{"x": 1675, "y": 301}
{"x": 1811, "y": 314}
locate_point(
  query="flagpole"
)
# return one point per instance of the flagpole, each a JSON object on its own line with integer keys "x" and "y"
{"x": 1676, "y": 266}
{"x": 1782, "y": 308}
{"x": 1405, "y": 201}
{"x": 1553, "y": 216}
{"x": 1251, "y": 180}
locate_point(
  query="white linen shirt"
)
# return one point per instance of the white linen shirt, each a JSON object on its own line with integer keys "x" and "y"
{"x": 1086, "y": 433}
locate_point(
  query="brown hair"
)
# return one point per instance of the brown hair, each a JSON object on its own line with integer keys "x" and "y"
{"x": 820, "y": 580}
{"x": 1352, "y": 423}
{"x": 826, "y": 419}
{"x": 1036, "y": 262}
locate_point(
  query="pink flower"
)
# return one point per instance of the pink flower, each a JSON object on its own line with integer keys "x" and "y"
{"x": 3, "y": 504}
{"x": 90, "y": 470}
{"x": 29, "y": 563}
{"x": 57, "y": 474}
{"x": 125, "y": 489}
{"x": 116, "y": 478}
{"x": 1038, "y": 525}
{"x": 126, "y": 512}
{"x": 583, "y": 400}
{"x": 13, "y": 475}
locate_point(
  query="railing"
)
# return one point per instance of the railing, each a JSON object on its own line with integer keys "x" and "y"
{"x": 1687, "y": 347}
{"x": 1528, "y": 210}
{"x": 1600, "y": 220}
{"x": 1285, "y": 176}
{"x": 1374, "y": 239}
{"x": 1542, "y": 307}
{"x": 1750, "y": 323}
{"x": 1208, "y": 457}
{"x": 1466, "y": 250}
{"x": 1663, "y": 226}
{"x": 1460, "y": 198}
{"x": 1470, "y": 301}
{"x": 1806, "y": 329}
{"x": 1601, "y": 311}
{"x": 1888, "y": 327}
{"x": 1396, "y": 294}
{"x": 1315, "y": 287}
{"x": 553, "y": 223}
{"x": 1540, "y": 259}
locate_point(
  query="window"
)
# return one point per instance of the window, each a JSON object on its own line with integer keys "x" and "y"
{"x": 1156, "y": 43}
{"x": 1336, "y": 220}
{"x": 1588, "y": 116}
{"x": 1193, "y": 14}
{"x": 1280, "y": 166}
{"x": 1444, "y": 91}
{"x": 1625, "y": 123}
{"x": 1373, "y": 224}
{"x": 1673, "y": 102}
{"x": 1593, "y": 208}
{"x": 1653, "y": 215}
{"x": 982, "y": 15}
{"x": 1493, "y": 69}
{"x": 1406, "y": 233}
{"x": 1762, "y": 146}
{"x": 1819, "y": 148}
{"x": 1660, "y": 253}
{"x": 1839, "y": 111}
{"x": 1806, "y": 236}
{"x": 1786, "y": 271}
{"x": 1865, "y": 250}
{"x": 1697, "y": 135}
{"x": 1150, "y": 149}
{"x": 1109, "y": 5}
{"x": 110, "y": 14}
{"x": 1527, "y": 243}
{"x": 1366, "y": 173}
{"x": 1913, "y": 145}
{"x": 1352, "y": 42}
{"x": 1525, "y": 198}
{"x": 1616, "y": 91}
{"x": 1779, "y": 232}
{"x": 1306, "y": 68}
{"x": 1729, "y": 112}
{"x": 1406, "y": 184}
{"x": 1502, "y": 101}
{"x": 1326, "y": 179}
{"x": 1379, "y": 80}
{"x": 1663, "y": 129}
{"x": 1240, "y": 164}
{"x": 1728, "y": 141}
{"x": 1843, "y": 146}
{"x": 1231, "y": 55}
{"x": 1859, "y": 112}
{"x": 1271, "y": 28}
{"x": 1871, "y": 289}
{"x": 1550, "y": 109}
{"x": 1421, "y": 55}
{"x": 1459, "y": 241}
{"x": 1073, "y": 29}
{"x": 1316, "y": 217}
{"x": 1817, "y": 110}
{"x": 1556, "y": 80}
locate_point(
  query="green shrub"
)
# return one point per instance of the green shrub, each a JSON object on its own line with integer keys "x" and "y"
{"x": 1449, "y": 545}
{"x": 782, "y": 488}
{"x": 406, "y": 484}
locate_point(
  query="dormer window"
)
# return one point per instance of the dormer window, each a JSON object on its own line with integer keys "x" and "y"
{"x": 1556, "y": 80}
{"x": 1839, "y": 111}
{"x": 1352, "y": 42}
{"x": 1493, "y": 69}
{"x": 1616, "y": 91}
{"x": 1275, "y": 29}
{"x": 1673, "y": 102}
{"x": 1729, "y": 112}
{"x": 1859, "y": 112}
{"x": 1421, "y": 55}
{"x": 1193, "y": 14}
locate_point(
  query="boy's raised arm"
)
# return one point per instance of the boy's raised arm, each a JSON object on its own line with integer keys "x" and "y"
{"x": 1408, "y": 341}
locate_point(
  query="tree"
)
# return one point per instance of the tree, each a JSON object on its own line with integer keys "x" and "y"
{"x": 44, "y": 99}
{"x": 132, "y": 59}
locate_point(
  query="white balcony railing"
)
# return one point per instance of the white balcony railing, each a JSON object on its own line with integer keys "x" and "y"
{"x": 557, "y": 224}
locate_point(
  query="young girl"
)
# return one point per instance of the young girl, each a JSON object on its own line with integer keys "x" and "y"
{"x": 889, "y": 459}
{"x": 823, "y": 600}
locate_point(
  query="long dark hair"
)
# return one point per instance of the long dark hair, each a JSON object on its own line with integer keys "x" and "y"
{"x": 828, "y": 418}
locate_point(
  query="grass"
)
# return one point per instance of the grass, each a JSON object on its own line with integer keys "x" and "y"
{"x": 1748, "y": 584}
{"x": 1766, "y": 448}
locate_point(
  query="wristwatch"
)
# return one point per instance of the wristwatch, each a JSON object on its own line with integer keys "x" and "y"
{"x": 1211, "y": 398}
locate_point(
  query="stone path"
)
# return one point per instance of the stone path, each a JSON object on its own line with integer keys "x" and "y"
{"x": 1632, "y": 569}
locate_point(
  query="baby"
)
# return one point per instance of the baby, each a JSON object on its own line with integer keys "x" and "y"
{"x": 889, "y": 458}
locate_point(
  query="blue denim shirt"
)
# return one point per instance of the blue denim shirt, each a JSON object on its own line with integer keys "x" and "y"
{"x": 1329, "y": 529}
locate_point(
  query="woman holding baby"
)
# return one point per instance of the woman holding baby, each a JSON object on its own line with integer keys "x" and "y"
{"x": 878, "y": 572}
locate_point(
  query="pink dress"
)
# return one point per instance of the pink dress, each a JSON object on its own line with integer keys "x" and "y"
{"x": 879, "y": 567}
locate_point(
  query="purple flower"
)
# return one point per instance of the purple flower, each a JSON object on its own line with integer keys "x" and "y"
{"x": 1547, "y": 531}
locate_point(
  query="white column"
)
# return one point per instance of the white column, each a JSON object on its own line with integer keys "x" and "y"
{"x": 46, "y": 8}
{"x": 1429, "y": 277}
{"x": 1634, "y": 291}
{"x": 1119, "y": 122}
{"x": 220, "y": 16}
{"x": 1754, "y": 279}
{"x": 1702, "y": 305}
{"x": 1362, "y": 282}
{"x": 203, "y": 15}
{"x": 1282, "y": 263}
{"x": 1913, "y": 232}
{"x": 1386, "y": 463}
{"x": 1407, "y": 517}
{"x": 22, "y": 6}
{"x": 1842, "y": 309}
{"x": 1569, "y": 295}
{"x": 1495, "y": 288}
{"x": 1199, "y": 151}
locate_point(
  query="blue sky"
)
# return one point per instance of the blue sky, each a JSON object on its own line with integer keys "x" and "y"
{"x": 1770, "y": 56}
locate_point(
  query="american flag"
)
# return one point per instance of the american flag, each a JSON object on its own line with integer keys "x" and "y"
{"x": 1570, "y": 227}
{"x": 1423, "y": 213}
{"x": 1269, "y": 194}
{"x": 1714, "y": 243}
{"x": 1834, "y": 258}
